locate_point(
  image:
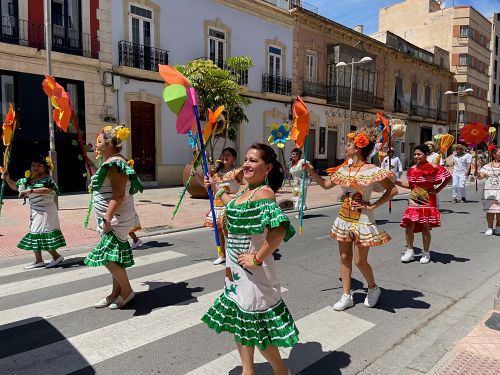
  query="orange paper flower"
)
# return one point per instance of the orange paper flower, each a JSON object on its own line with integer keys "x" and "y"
{"x": 300, "y": 128}
{"x": 213, "y": 118}
{"x": 361, "y": 141}
{"x": 475, "y": 133}
{"x": 8, "y": 126}
{"x": 60, "y": 100}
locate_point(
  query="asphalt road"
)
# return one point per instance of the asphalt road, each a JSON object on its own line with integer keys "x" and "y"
{"x": 48, "y": 327}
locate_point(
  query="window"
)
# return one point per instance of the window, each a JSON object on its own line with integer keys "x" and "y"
{"x": 481, "y": 39}
{"x": 498, "y": 94}
{"x": 217, "y": 46}
{"x": 494, "y": 93}
{"x": 462, "y": 86}
{"x": 441, "y": 61}
{"x": 464, "y": 31}
{"x": 6, "y": 93}
{"x": 462, "y": 59}
{"x": 311, "y": 67}
{"x": 274, "y": 61}
{"x": 427, "y": 97}
{"x": 331, "y": 75}
{"x": 140, "y": 25}
{"x": 495, "y": 67}
{"x": 72, "y": 90}
{"x": 414, "y": 94}
{"x": 399, "y": 97}
{"x": 496, "y": 44}
{"x": 461, "y": 116}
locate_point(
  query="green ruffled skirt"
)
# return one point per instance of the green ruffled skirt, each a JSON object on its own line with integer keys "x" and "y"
{"x": 110, "y": 249}
{"x": 274, "y": 326}
{"x": 47, "y": 241}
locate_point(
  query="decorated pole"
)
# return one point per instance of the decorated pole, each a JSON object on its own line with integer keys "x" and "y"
{"x": 192, "y": 93}
{"x": 9, "y": 129}
{"x": 389, "y": 142}
{"x": 303, "y": 188}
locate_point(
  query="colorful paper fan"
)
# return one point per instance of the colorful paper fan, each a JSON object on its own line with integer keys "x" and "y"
{"x": 445, "y": 142}
{"x": 279, "y": 134}
{"x": 8, "y": 126}
{"x": 474, "y": 133}
{"x": 491, "y": 132}
{"x": 59, "y": 99}
{"x": 300, "y": 129}
{"x": 382, "y": 124}
{"x": 180, "y": 98}
{"x": 211, "y": 126}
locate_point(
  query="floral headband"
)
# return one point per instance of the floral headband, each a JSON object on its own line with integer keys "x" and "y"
{"x": 122, "y": 133}
{"x": 363, "y": 137}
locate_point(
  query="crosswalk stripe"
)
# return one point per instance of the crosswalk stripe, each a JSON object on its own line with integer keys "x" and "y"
{"x": 329, "y": 328}
{"x": 78, "y": 274}
{"x": 77, "y": 301}
{"x": 92, "y": 347}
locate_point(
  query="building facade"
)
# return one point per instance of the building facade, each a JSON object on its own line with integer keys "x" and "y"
{"x": 494, "y": 89}
{"x": 146, "y": 33}
{"x": 463, "y": 32}
{"x": 408, "y": 86}
{"x": 81, "y": 53}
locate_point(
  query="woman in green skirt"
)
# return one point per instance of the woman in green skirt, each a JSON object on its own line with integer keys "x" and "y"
{"x": 251, "y": 306}
{"x": 45, "y": 233}
{"x": 113, "y": 185}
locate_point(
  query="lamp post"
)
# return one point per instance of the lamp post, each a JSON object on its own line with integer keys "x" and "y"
{"x": 364, "y": 60}
{"x": 459, "y": 93}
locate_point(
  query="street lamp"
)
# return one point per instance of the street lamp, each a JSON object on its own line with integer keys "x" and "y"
{"x": 364, "y": 60}
{"x": 459, "y": 93}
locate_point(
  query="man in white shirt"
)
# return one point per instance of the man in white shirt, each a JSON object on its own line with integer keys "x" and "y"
{"x": 461, "y": 170}
{"x": 396, "y": 165}
{"x": 433, "y": 157}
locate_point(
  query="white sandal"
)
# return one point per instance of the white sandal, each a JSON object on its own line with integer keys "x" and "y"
{"x": 34, "y": 265}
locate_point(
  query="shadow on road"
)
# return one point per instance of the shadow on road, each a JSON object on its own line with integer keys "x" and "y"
{"x": 307, "y": 355}
{"x": 446, "y": 258}
{"x": 446, "y": 212}
{"x": 150, "y": 244}
{"x": 355, "y": 285}
{"x": 383, "y": 222}
{"x": 313, "y": 216}
{"x": 162, "y": 294}
{"x": 392, "y": 300}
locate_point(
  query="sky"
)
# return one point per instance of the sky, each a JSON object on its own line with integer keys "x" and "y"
{"x": 365, "y": 12}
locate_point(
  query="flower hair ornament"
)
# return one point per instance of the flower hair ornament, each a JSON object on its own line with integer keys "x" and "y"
{"x": 363, "y": 137}
{"x": 50, "y": 163}
{"x": 118, "y": 133}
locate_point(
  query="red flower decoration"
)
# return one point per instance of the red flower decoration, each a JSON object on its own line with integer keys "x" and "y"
{"x": 492, "y": 148}
{"x": 475, "y": 133}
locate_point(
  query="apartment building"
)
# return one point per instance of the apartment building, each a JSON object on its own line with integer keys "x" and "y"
{"x": 463, "y": 32}
{"x": 494, "y": 89}
{"x": 399, "y": 79}
{"x": 146, "y": 33}
{"x": 81, "y": 33}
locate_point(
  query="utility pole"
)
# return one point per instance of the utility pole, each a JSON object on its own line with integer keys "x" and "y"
{"x": 48, "y": 47}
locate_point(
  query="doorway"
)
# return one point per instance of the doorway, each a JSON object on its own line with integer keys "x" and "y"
{"x": 332, "y": 148}
{"x": 143, "y": 139}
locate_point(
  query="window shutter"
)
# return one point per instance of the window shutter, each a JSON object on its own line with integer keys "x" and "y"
{"x": 456, "y": 30}
{"x": 454, "y": 59}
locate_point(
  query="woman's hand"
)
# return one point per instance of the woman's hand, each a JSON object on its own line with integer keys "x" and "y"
{"x": 208, "y": 182}
{"x": 24, "y": 193}
{"x": 306, "y": 166}
{"x": 106, "y": 226}
{"x": 246, "y": 261}
{"x": 362, "y": 206}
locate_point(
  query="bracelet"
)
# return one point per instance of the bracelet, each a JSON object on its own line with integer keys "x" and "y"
{"x": 31, "y": 191}
{"x": 255, "y": 261}
{"x": 219, "y": 193}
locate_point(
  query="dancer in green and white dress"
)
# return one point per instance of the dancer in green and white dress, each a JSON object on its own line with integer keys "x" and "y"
{"x": 251, "y": 306}
{"x": 45, "y": 233}
{"x": 113, "y": 185}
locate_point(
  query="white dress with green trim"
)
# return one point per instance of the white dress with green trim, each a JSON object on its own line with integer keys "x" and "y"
{"x": 45, "y": 233}
{"x": 251, "y": 306}
{"x": 114, "y": 246}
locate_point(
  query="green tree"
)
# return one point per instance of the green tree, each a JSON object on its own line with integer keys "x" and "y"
{"x": 216, "y": 87}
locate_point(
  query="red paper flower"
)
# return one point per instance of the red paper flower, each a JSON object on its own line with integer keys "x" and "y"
{"x": 475, "y": 133}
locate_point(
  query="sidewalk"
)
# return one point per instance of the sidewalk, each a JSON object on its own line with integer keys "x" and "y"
{"x": 477, "y": 353}
{"x": 154, "y": 206}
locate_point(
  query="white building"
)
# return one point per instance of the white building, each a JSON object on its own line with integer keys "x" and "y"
{"x": 494, "y": 90}
{"x": 146, "y": 32}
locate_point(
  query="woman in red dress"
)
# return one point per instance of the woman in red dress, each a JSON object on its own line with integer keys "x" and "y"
{"x": 425, "y": 181}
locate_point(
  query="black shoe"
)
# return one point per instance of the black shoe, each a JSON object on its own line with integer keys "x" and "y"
{"x": 455, "y": 200}
{"x": 463, "y": 200}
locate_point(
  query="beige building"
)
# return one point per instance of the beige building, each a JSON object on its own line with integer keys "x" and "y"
{"x": 494, "y": 89}
{"x": 462, "y": 31}
{"x": 81, "y": 45}
{"x": 403, "y": 81}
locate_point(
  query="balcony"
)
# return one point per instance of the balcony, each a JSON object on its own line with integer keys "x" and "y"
{"x": 240, "y": 77}
{"x": 339, "y": 95}
{"x": 442, "y": 116}
{"x": 276, "y": 84}
{"x": 64, "y": 39}
{"x": 316, "y": 90}
{"x": 139, "y": 56}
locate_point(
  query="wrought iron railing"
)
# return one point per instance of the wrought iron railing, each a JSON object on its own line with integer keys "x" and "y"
{"x": 341, "y": 94}
{"x": 31, "y": 34}
{"x": 304, "y": 5}
{"x": 276, "y": 84}
{"x": 316, "y": 90}
{"x": 241, "y": 77}
{"x": 139, "y": 56}
{"x": 442, "y": 116}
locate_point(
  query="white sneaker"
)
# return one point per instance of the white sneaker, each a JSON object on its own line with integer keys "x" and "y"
{"x": 426, "y": 257}
{"x": 372, "y": 297}
{"x": 120, "y": 302}
{"x": 297, "y": 216}
{"x": 55, "y": 262}
{"x": 34, "y": 265}
{"x": 488, "y": 232}
{"x": 345, "y": 302}
{"x": 137, "y": 244}
{"x": 219, "y": 260}
{"x": 497, "y": 231}
{"x": 408, "y": 256}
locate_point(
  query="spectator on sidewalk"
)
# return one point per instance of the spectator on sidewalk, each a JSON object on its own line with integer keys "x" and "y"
{"x": 461, "y": 170}
{"x": 434, "y": 157}
{"x": 355, "y": 228}
{"x": 226, "y": 176}
{"x": 395, "y": 166}
{"x": 113, "y": 185}
{"x": 45, "y": 233}
{"x": 422, "y": 213}
{"x": 297, "y": 173}
{"x": 491, "y": 192}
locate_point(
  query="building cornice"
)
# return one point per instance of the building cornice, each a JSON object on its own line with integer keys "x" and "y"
{"x": 135, "y": 73}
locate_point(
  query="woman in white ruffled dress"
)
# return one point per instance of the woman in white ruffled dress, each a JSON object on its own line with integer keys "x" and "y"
{"x": 297, "y": 172}
{"x": 355, "y": 228}
{"x": 491, "y": 193}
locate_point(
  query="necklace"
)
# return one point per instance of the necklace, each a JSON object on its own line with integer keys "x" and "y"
{"x": 352, "y": 179}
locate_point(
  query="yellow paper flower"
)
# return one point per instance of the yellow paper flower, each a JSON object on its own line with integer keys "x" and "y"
{"x": 50, "y": 163}
{"x": 107, "y": 128}
{"x": 27, "y": 174}
{"x": 131, "y": 163}
{"x": 123, "y": 133}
